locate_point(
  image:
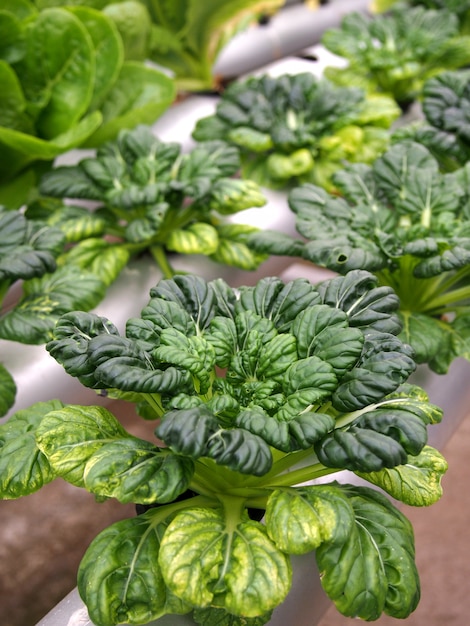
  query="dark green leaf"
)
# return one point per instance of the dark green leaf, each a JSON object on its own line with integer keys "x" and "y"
{"x": 360, "y": 449}
{"x": 280, "y": 302}
{"x": 27, "y": 249}
{"x": 241, "y": 451}
{"x": 219, "y": 617}
{"x": 323, "y": 331}
{"x": 7, "y": 390}
{"x": 121, "y": 564}
{"x": 385, "y": 364}
{"x": 45, "y": 299}
{"x": 191, "y": 293}
{"x": 133, "y": 470}
{"x": 373, "y": 569}
{"x": 187, "y": 431}
{"x": 366, "y": 304}
{"x": 72, "y": 337}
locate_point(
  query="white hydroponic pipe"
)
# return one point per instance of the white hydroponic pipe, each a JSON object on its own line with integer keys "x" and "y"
{"x": 290, "y": 31}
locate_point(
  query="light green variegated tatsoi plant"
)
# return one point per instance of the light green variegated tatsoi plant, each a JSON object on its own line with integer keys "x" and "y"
{"x": 254, "y": 393}
{"x": 296, "y": 128}
{"x": 152, "y": 197}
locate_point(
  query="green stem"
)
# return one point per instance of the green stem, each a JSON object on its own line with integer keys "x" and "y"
{"x": 279, "y": 467}
{"x": 301, "y": 475}
{"x": 449, "y": 298}
{"x": 213, "y": 476}
{"x": 155, "y": 401}
{"x": 446, "y": 280}
{"x": 159, "y": 514}
{"x": 4, "y": 287}
{"x": 161, "y": 260}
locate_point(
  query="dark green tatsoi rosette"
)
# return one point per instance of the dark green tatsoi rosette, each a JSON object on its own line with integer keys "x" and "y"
{"x": 445, "y": 129}
{"x": 256, "y": 392}
{"x": 297, "y": 128}
{"x": 408, "y": 224}
{"x": 396, "y": 53}
{"x": 152, "y": 198}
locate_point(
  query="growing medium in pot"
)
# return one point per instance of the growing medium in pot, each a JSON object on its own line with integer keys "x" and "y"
{"x": 255, "y": 392}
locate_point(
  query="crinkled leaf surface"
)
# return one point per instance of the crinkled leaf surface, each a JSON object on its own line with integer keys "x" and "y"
{"x": 372, "y": 569}
{"x": 277, "y": 301}
{"x": 120, "y": 579}
{"x": 383, "y": 435}
{"x": 27, "y": 249}
{"x": 220, "y": 617}
{"x": 284, "y": 357}
{"x": 45, "y": 299}
{"x": 133, "y": 470}
{"x": 68, "y": 437}
{"x": 286, "y": 125}
{"x": 388, "y": 58}
{"x": 417, "y": 482}
{"x": 207, "y": 559}
{"x": 191, "y": 293}
{"x": 73, "y": 335}
{"x": 8, "y": 390}
{"x": 195, "y": 432}
{"x": 300, "y": 520}
{"x": 23, "y": 466}
{"x": 406, "y": 222}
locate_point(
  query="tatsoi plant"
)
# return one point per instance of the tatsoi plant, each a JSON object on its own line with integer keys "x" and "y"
{"x": 80, "y": 94}
{"x": 409, "y": 224}
{"x": 445, "y": 131}
{"x": 153, "y": 198}
{"x": 33, "y": 261}
{"x": 396, "y": 53}
{"x": 27, "y": 250}
{"x": 296, "y": 128}
{"x": 257, "y": 391}
{"x": 51, "y": 282}
{"x": 461, "y": 8}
